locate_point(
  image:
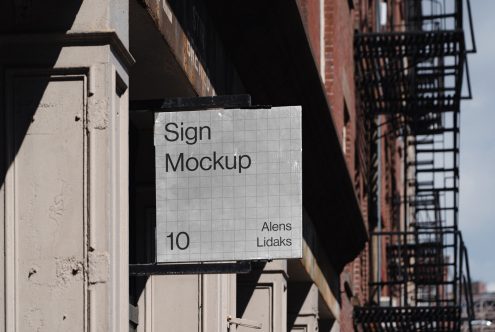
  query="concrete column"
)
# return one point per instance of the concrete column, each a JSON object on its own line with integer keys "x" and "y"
{"x": 63, "y": 173}
{"x": 303, "y": 307}
{"x": 262, "y": 297}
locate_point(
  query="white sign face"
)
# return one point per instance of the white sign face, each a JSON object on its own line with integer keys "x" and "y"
{"x": 228, "y": 184}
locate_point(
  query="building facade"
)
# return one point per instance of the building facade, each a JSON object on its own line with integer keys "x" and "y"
{"x": 80, "y": 82}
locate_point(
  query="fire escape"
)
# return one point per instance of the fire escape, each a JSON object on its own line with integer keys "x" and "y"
{"x": 410, "y": 77}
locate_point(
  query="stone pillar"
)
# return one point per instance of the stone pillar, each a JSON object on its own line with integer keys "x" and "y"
{"x": 63, "y": 156}
{"x": 262, "y": 297}
{"x": 303, "y": 307}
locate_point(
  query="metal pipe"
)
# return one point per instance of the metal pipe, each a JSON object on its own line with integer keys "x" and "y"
{"x": 378, "y": 208}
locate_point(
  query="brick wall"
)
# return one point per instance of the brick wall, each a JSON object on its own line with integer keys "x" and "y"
{"x": 340, "y": 89}
{"x": 340, "y": 21}
{"x": 338, "y": 47}
{"x": 310, "y": 14}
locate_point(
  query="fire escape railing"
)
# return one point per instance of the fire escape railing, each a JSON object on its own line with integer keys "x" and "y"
{"x": 412, "y": 76}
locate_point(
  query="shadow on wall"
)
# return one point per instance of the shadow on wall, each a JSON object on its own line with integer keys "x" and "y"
{"x": 22, "y": 54}
{"x": 296, "y": 295}
{"x": 246, "y": 285}
{"x": 36, "y": 120}
{"x": 142, "y": 207}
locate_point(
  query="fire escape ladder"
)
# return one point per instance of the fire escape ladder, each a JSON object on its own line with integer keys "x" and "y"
{"x": 411, "y": 76}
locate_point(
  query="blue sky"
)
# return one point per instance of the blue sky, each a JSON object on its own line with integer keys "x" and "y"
{"x": 477, "y": 168}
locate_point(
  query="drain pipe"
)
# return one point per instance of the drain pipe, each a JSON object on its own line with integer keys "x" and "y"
{"x": 379, "y": 210}
{"x": 378, "y": 20}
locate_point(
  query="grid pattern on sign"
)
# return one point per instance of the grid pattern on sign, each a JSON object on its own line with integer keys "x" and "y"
{"x": 229, "y": 214}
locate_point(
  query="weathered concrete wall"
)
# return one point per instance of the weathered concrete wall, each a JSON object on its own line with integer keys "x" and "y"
{"x": 48, "y": 277}
{"x": 63, "y": 129}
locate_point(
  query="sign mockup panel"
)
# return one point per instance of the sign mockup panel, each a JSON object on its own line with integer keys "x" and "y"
{"x": 228, "y": 184}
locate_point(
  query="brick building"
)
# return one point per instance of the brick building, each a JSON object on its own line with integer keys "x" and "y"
{"x": 376, "y": 81}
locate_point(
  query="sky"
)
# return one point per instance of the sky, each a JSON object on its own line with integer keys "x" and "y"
{"x": 477, "y": 166}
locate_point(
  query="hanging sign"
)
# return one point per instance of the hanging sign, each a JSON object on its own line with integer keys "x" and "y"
{"x": 228, "y": 184}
